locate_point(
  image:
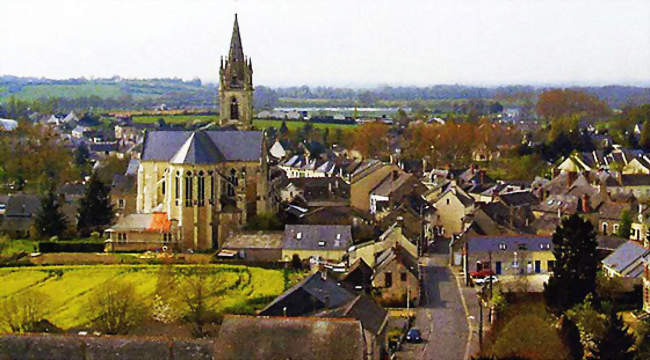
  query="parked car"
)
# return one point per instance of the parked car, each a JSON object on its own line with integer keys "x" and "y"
{"x": 413, "y": 336}
{"x": 486, "y": 280}
{"x": 481, "y": 274}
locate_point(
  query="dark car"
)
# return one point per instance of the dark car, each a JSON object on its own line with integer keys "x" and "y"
{"x": 413, "y": 336}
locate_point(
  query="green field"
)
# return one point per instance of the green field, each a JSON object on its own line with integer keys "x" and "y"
{"x": 33, "y": 92}
{"x": 258, "y": 123}
{"x": 240, "y": 289}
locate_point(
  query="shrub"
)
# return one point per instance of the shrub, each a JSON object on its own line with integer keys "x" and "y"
{"x": 48, "y": 247}
{"x": 115, "y": 307}
{"x": 531, "y": 337}
{"x": 24, "y": 312}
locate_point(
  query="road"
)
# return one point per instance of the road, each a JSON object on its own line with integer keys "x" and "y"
{"x": 440, "y": 317}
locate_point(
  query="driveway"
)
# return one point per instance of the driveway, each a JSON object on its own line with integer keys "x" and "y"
{"x": 441, "y": 315}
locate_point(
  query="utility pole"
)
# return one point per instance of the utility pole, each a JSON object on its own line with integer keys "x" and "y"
{"x": 480, "y": 320}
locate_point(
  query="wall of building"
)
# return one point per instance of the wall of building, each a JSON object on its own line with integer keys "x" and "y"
{"x": 507, "y": 258}
{"x": 396, "y": 293}
{"x": 360, "y": 189}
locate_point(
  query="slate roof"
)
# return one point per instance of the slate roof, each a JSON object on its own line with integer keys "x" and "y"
{"x": 635, "y": 180}
{"x": 305, "y": 338}
{"x": 625, "y": 256}
{"x": 512, "y": 242}
{"x": 400, "y": 254}
{"x": 373, "y": 317}
{"x": 519, "y": 198}
{"x": 231, "y": 145}
{"x": 317, "y": 292}
{"x": 132, "y": 168}
{"x": 257, "y": 240}
{"x": 317, "y": 237}
{"x": 23, "y": 205}
{"x": 197, "y": 149}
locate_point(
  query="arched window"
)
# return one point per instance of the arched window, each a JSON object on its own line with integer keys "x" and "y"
{"x": 177, "y": 186}
{"x": 604, "y": 228}
{"x": 211, "y": 186}
{"x": 201, "y": 189}
{"x": 188, "y": 189}
{"x": 232, "y": 183}
{"x": 234, "y": 109}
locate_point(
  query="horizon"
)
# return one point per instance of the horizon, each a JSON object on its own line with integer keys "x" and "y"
{"x": 499, "y": 43}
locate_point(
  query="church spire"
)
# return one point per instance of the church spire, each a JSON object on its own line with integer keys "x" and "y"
{"x": 236, "y": 51}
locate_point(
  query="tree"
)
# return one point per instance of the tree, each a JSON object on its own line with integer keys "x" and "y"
{"x": 284, "y": 130}
{"x": 529, "y": 336}
{"x": 115, "y": 307}
{"x": 22, "y": 312}
{"x": 644, "y": 140}
{"x": 81, "y": 155}
{"x": 370, "y": 139}
{"x": 95, "y": 208}
{"x": 195, "y": 292}
{"x": 626, "y": 225}
{"x": 50, "y": 221}
{"x": 616, "y": 341}
{"x": 576, "y": 264}
{"x": 643, "y": 342}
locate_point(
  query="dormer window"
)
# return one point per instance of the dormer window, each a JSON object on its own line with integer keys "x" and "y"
{"x": 299, "y": 236}
{"x": 503, "y": 246}
{"x": 321, "y": 243}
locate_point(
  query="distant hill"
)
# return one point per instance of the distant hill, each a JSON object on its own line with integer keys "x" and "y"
{"x": 118, "y": 93}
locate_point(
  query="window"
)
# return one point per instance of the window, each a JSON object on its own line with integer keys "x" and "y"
{"x": 177, "y": 186}
{"x": 232, "y": 183}
{"x": 503, "y": 246}
{"x": 447, "y": 201}
{"x": 201, "y": 189}
{"x": 121, "y": 203}
{"x": 388, "y": 279}
{"x": 234, "y": 109}
{"x": 515, "y": 264}
{"x": 402, "y": 276}
{"x": 604, "y": 228}
{"x": 615, "y": 228}
{"x": 188, "y": 189}
{"x": 163, "y": 187}
{"x": 321, "y": 243}
{"x": 211, "y": 186}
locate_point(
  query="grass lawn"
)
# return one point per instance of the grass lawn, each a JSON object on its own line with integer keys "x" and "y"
{"x": 10, "y": 246}
{"x": 258, "y": 123}
{"x": 239, "y": 289}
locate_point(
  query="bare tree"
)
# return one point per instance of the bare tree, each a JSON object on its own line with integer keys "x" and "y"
{"x": 195, "y": 292}
{"x": 23, "y": 312}
{"x": 115, "y": 307}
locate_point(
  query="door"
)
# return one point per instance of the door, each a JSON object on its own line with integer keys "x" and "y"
{"x": 497, "y": 266}
{"x": 538, "y": 266}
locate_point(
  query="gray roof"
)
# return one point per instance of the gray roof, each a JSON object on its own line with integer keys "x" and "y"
{"x": 317, "y": 237}
{"x": 306, "y": 338}
{"x": 23, "y": 205}
{"x": 132, "y": 168}
{"x": 512, "y": 243}
{"x": 203, "y": 146}
{"x": 625, "y": 255}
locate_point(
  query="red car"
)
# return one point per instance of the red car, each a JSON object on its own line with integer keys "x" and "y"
{"x": 481, "y": 274}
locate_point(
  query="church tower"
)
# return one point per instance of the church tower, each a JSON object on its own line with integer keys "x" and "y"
{"x": 236, "y": 85}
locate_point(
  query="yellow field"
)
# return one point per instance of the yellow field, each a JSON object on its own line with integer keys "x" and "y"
{"x": 240, "y": 289}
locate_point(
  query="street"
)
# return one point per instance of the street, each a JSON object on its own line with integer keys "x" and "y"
{"x": 441, "y": 317}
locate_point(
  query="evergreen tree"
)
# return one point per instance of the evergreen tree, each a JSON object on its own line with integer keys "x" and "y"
{"x": 284, "y": 130}
{"x": 50, "y": 221}
{"x": 644, "y": 139}
{"x": 95, "y": 209}
{"x": 81, "y": 155}
{"x": 616, "y": 342}
{"x": 576, "y": 264}
{"x": 626, "y": 224}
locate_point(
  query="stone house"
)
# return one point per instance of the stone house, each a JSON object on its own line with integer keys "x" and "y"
{"x": 326, "y": 242}
{"x": 452, "y": 206}
{"x": 138, "y": 232}
{"x": 396, "y": 277}
{"x": 626, "y": 263}
{"x": 509, "y": 254}
{"x": 364, "y": 179}
{"x": 370, "y": 251}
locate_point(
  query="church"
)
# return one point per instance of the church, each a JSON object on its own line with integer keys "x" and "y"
{"x": 196, "y": 188}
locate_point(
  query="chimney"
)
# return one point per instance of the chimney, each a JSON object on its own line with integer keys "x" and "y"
{"x": 586, "y": 208}
{"x": 495, "y": 195}
{"x": 572, "y": 176}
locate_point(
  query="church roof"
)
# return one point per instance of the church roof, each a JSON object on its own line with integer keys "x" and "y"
{"x": 197, "y": 149}
{"x": 236, "y": 53}
{"x": 202, "y": 147}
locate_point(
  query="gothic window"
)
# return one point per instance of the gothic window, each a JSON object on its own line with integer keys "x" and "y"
{"x": 177, "y": 186}
{"x": 211, "y": 186}
{"x": 232, "y": 183}
{"x": 201, "y": 189}
{"x": 234, "y": 109}
{"x": 188, "y": 189}
{"x": 163, "y": 187}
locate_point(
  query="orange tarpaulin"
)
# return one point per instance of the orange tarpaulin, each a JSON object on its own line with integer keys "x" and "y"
{"x": 160, "y": 223}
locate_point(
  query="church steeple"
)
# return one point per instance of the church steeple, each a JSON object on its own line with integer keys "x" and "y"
{"x": 236, "y": 84}
{"x": 236, "y": 50}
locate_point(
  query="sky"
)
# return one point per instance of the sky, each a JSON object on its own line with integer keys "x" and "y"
{"x": 360, "y": 43}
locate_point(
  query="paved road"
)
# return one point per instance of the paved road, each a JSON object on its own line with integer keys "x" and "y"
{"x": 441, "y": 317}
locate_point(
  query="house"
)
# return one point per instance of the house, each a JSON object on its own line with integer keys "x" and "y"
{"x": 8, "y": 125}
{"x": 137, "y": 232}
{"x": 396, "y": 277}
{"x": 319, "y": 291}
{"x": 359, "y": 276}
{"x": 256, "y": 246}
{"x": 626, "y": 262}
{"x": 370, "y": 251}
{"x": 392, "y": 189}
{"x": 277, "y": 150}
{"x": 327, "y": 242}
{"x": 638, "y": 165}
{"x": 373, "y": 319}
{"x": 364, "y": 179}
{"x": 79, "y": 131}
{"x": 20, "y": 213}
{"x": 317, "y": 192}
{"x": 305, "y": 338}
{"x": 451, "y": 208}
{"x": 124, "y": 190}
{"x": 509, "y": 254}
